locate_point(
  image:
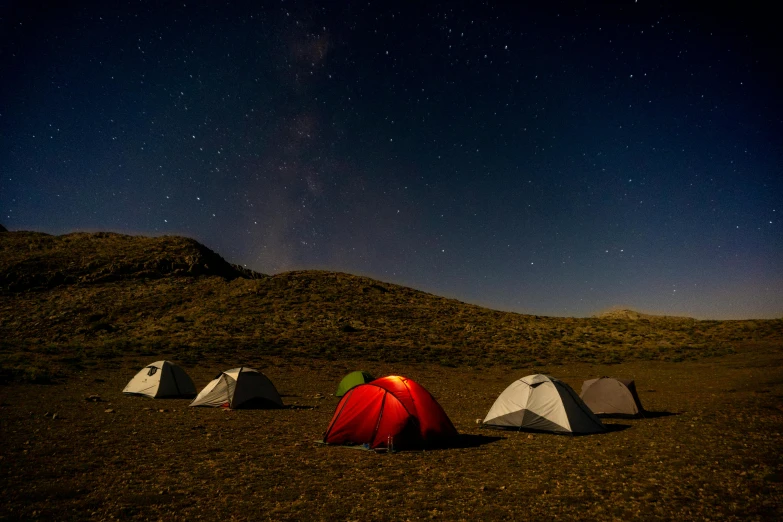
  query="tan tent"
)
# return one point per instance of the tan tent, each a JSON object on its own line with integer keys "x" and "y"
{"x": 541, "y": 402}
{"x": 239, "y": 388}
{"x": 161, "y": 379}
{"x": 611, "y": 396}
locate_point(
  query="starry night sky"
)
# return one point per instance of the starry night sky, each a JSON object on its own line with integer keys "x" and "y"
{"x": 556, "y": 160}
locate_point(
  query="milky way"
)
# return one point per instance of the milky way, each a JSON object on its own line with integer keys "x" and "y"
{"x": 556, "y": 160}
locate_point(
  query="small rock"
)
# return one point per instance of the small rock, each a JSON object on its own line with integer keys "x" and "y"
{"x": 108, "y": 410}
{"x": 530, "y": 436}
{"x": 54, "y": 416}
{"x": 163, "y": 411}
{"x": 93, "y": 398}
{"x": 478, "y": 421}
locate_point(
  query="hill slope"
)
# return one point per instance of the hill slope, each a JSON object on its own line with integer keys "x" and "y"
{"x": 78, "y": 297}
{"x": 36, "y": 260}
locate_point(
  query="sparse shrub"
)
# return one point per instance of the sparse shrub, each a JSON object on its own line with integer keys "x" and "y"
{"x": 16, "y": 367}
{"x": 37, "y": 375}
{"x": 104, "y": 352}
{"x": 50, "y": 349}
{"x": 102, "y": 326}
{"x": 191, "y": 356}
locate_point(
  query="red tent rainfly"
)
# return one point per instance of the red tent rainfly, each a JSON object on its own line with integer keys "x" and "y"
{"x": 390, "y": 408}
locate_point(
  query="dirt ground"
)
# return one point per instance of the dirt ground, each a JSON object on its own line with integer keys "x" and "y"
{"x": 710, "y": 450}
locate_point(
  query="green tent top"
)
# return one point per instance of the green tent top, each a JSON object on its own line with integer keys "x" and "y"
{"x": 351, "y": 380}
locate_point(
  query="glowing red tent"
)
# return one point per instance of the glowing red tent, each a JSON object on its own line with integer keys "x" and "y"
{"x": 389, "y": 407}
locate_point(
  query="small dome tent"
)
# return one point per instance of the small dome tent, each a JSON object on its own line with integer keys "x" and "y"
{"x": 390, "y": 409}
{"x": 161, "y": 379}
{"x": 611, "y": 396}
{"x": 541, "y": 402}
{"x": 239, "y": 388}
{"x": 351, "y": 380}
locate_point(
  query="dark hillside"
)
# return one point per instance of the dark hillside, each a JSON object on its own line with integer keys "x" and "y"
{"x": 77, "y": 298}
{"x": 35, "y": 260}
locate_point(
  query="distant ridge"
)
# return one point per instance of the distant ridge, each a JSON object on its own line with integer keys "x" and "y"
{"x": 37, "y": 260}
{"x": 632, "y": 315}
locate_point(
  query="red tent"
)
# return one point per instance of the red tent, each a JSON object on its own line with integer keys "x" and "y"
{"x": 389, "y": 407}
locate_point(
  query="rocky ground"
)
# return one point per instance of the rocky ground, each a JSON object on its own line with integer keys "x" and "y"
{"x": 711, "y": 449}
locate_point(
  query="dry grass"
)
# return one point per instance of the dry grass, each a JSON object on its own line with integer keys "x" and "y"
{"x": 713, "y": 452}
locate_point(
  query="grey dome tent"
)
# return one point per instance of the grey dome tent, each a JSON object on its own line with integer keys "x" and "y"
{"x": 611, "y": 396}
{"x": 239, "y": 388}
{"x": 543, "y": 403}
{"x": 161, "y": 379}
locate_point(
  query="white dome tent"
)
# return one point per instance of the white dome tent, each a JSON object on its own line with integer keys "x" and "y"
{"x": 239, "y": 388}
{"x": 540, "y": 402}
{"x": 161, "y": 379}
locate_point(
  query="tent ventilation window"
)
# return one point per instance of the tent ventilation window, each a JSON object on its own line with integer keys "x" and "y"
{"x": 153, "y": 371}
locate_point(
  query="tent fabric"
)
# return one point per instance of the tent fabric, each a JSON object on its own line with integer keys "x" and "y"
{"x": 239, "y": 387}
{"x": 159, "y": 380}
{"x": 351, "y": 380}
{"x": 390, "y": 409}
{"x": 541, "y": 402}
{"x": 611, "y": 396}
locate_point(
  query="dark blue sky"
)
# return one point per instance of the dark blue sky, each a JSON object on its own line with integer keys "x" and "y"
{"x": 556, "y": 160}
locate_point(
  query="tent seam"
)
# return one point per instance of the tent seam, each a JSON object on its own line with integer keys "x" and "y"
{"x": 387, "y": 391}
{"x": 174, "y": 377}
{"x": 579, "y": 403}
{"x": 380, "y": 417}
{"x": 345, "y": 400}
